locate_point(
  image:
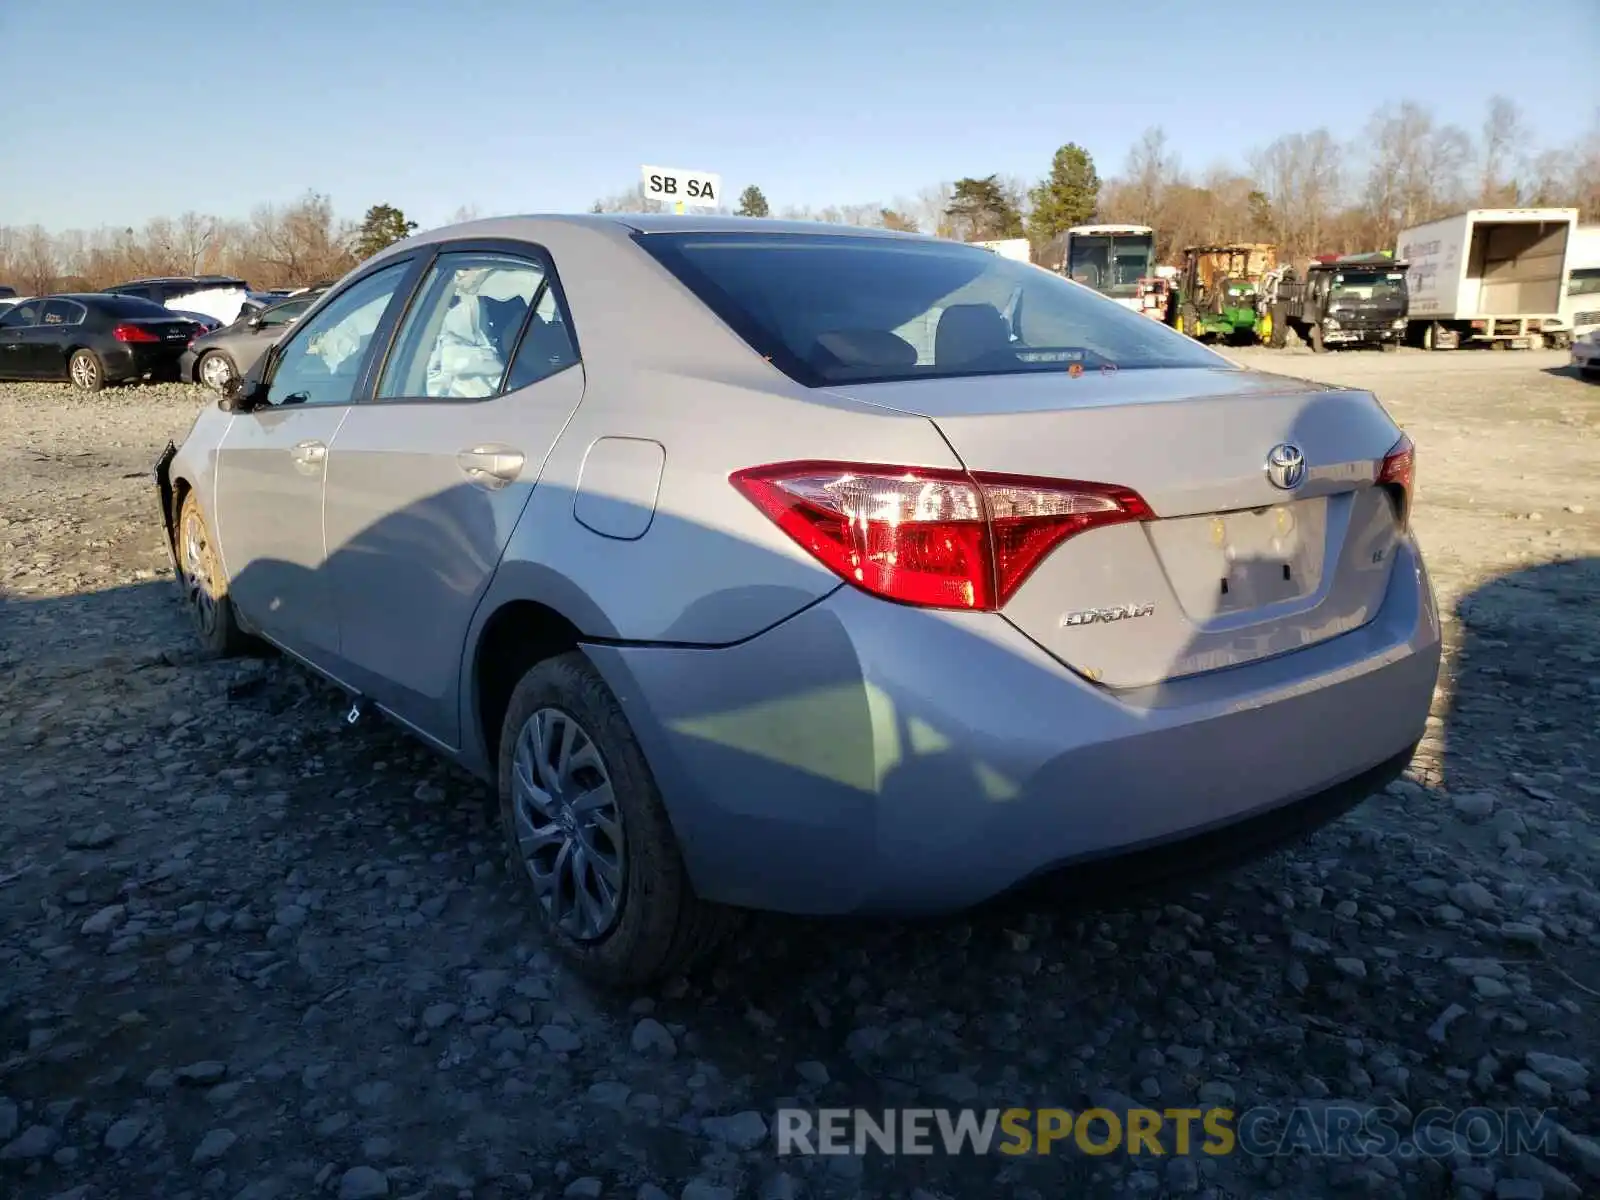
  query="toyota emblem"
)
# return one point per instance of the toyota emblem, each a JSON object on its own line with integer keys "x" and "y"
{"x": 1286, "y": 467}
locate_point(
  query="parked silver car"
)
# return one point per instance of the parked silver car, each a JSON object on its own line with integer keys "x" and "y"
{"x": 774, "y": 565}
{"x": 224, "y": 354}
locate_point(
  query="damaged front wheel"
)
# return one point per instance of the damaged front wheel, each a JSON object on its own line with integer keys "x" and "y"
{"x": 205, "y": 591}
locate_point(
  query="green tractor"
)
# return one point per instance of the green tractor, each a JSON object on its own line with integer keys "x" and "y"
{"x": 1217, "y": 293}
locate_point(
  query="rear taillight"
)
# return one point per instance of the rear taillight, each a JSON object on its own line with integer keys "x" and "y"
{"x": 133, "y": 333}
{"x": 1398, "y": 474}
{"x": 939, "y": 539}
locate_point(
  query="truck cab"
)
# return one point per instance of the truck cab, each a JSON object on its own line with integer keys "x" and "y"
{"x": 1340, "y": 300}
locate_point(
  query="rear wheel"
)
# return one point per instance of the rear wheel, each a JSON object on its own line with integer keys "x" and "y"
{"x": 205, "y": 591}
{"x": 88, "y": 375}
{"x": 584, "y": 825}
{"x": 215, "y": 369}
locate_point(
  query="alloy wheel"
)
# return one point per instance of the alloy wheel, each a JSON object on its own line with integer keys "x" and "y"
{"x": 215, "y": 372}
{"x": 198, "y": 586}
{"x": 567, "y": 825}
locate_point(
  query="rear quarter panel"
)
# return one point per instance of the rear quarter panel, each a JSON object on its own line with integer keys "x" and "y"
{"x": 709, "y": 568}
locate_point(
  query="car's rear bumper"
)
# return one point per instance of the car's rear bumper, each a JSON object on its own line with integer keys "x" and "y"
{"x": 868, "y": 757}
{"x": 136, "y": 361}
{"x": 186, "y": 363}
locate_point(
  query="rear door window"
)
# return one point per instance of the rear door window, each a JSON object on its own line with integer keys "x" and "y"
{"x": 20, "y": 315}
{"x": 63, "y": 312}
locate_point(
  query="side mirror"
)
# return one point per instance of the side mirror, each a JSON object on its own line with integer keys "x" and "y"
{"x": 241, "y": 395}
{"x": 254, "y": 322}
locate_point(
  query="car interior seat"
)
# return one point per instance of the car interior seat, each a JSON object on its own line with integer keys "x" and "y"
{"x": 968, "y": 333}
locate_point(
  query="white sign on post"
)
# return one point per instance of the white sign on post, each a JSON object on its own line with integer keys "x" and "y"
{"x": 679, "y": 188}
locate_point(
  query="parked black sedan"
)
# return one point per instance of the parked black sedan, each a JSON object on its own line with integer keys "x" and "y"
{"x": 92, "y": 339}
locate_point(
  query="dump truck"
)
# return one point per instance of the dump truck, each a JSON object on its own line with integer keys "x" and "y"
{"x": 1217, "y": 292}
{"x": 1337, "y": 300}
{"x": 1111, "y": 259}
{"x": 1488, "y": 276}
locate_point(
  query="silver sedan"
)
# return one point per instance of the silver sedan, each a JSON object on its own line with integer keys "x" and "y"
{"x": 820, "y": 570}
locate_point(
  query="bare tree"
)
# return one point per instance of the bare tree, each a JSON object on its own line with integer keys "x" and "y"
{"x": 632, "y": 200}
{"x": 928, "y": 210}
{"x": 1416, "y": 170}
{"x": 37, "y": 266}
{"x": 1299, "y": 174}
{"x": 1150, "y": 169}
{"x": 192, "y": 240}
{"x": 1504, "y": 136}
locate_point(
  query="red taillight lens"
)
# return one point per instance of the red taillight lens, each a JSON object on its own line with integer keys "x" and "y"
{"x": 133, "y": 333}
{"x": 1398, "y": 473}
{"x": 939, "y": 539}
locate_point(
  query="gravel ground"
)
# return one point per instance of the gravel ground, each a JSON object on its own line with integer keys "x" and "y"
{"x": 246, "y": 951}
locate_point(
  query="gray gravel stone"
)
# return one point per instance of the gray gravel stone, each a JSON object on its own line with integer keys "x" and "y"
{"x": 363, "y": 1183}
{"x": 124, "y": 1133}
{"x": 743, "y": 1130}
{"x": 653, "y": 1040}
{"x": 1559, "y": 1071}
{"x": 214, "y": 1145}
{"x": 36, "y": 1141}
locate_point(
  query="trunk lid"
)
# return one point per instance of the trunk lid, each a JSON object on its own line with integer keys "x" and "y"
{"x": 174, "y": 331}
{"x": 1234, "y": 568}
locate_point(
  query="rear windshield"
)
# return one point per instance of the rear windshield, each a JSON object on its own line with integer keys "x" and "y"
{"x": 131, "y": 307}
{"x": 835, "y": 309}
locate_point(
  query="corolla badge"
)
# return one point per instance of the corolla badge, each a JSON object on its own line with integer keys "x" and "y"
{"x": 1286, "y": 466}
{"x": 1097, "y": 616}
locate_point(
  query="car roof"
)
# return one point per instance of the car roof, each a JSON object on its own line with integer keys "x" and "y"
{"x": 531, "y": 226}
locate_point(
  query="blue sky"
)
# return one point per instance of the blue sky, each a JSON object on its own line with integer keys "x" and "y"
{"x": 122, "y": 111}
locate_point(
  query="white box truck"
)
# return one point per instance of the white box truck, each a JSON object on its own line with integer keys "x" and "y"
{"x": 1012, "y": 248}
{"x": 1490, "y": 276}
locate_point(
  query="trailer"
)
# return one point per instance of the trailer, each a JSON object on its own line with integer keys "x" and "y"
{"x": 1488, "y": 276}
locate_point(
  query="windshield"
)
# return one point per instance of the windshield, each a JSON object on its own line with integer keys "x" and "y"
{"x": 1584, "y": 281}
{"x": 1369, "y": 285}
{"x": 830, "y": 309}
{"x": 1110, "y": 263}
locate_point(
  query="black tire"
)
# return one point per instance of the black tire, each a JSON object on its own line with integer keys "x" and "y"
{"x": 1317, "y": 346}
{"x": 205, "y": 591}
{"x": 87, "y": 372}
{"x": 222, "y": 359}
{"x": 1592, "y": 374}
{"x": 661, "y": 927}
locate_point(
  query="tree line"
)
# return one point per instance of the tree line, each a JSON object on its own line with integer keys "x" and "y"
{"x": 1308, "y": 193}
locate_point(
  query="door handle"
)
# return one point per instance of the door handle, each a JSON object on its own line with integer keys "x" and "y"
{"x": 308, "y": 456}
{"x": 491, "y": 466}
